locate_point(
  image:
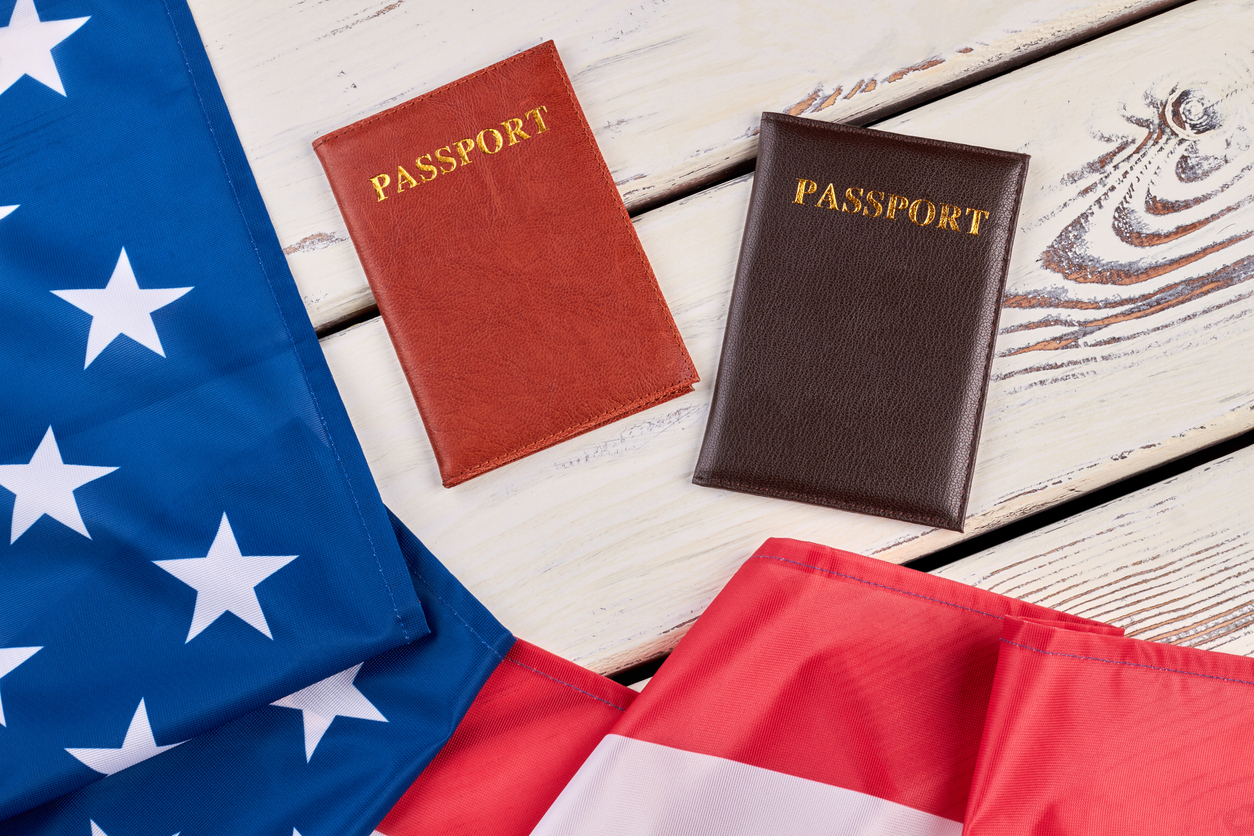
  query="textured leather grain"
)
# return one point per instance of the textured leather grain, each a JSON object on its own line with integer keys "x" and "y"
{"x": 859, "y": 339}
{"x": 507, "y": 272}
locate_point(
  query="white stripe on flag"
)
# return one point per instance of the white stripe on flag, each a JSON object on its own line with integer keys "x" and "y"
{"x": 629, "y": 787}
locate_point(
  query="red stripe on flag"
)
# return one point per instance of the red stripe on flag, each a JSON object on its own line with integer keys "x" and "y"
{"x": 1091, "y": 735}
{"x": 838, "y": 668}
{"x": 535, "y": 721}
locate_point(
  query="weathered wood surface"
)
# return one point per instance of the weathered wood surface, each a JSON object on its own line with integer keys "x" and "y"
{"x": 1171, "y": 563}
{"x": 1125, "y": 343}
{"x": 673, "y": 91}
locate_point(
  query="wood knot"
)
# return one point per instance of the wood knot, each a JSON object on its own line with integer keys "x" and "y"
{"x": 1158, "y": 224}
{"x": 1194, "y": 111}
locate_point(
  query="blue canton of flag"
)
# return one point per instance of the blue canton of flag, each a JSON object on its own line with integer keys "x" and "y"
{"x": 329, "y": 760}
{"x": 188, "y": 530}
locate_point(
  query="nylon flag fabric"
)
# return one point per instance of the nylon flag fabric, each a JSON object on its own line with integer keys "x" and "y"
{"x": 821, "y": 692}
{"x": 327, "y": 761}
{"x": 1091, "y": 735}
{"x": 535, "y": 721}
{"x": 188, "y": 530}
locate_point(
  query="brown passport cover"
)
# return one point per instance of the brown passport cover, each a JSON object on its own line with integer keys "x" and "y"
{"x": 862, "y": 322}
{"x": 507, "y": 271}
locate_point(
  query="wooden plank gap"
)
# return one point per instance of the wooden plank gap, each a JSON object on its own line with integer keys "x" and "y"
{"x": 1072, "y": 507}
{"x": 872, "y": 117}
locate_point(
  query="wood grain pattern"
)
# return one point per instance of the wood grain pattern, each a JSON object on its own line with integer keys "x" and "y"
{"x": 603, "y": 551}
{"x": 672, "y": 90}
{"x": 1151, "y": 224}
{"x": 1171, "y": 563}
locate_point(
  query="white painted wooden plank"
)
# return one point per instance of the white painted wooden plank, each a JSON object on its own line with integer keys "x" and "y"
{"x": 1173, "y": 562}
{"x": 602, "y": 550}
{"x": 672, "y": 90}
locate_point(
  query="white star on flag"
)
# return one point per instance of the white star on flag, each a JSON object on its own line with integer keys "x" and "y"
{"x": 322, "y": 702}
{"x": 121, "y": 307}
{"x": 10, "y": 658}
{"x": 26, "y": 46}
{"x": 46, "y": 485}
{"x": 139, "y": 745}
{"x": 224, "y": 581}
{"x": 5, "y": 211}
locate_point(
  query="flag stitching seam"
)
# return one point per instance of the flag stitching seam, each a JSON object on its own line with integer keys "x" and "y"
{"x": 880, "y": 585}
{"x": 1129, "y": 664}
{"x": 286, "y": 328}
{"x": 494, "y": 651}
{"x": 454, "y": 611}
{"x": 567, "y": 684}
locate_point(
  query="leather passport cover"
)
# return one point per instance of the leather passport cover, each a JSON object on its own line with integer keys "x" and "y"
{"x": 862, "y": 322}
{"x": 507, "y": 272}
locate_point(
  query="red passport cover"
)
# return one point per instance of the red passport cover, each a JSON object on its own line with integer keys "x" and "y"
{"x": 506, "y": 268}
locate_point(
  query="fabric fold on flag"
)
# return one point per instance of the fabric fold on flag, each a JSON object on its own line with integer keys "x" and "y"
{"x": 329, "y": 760}
{"x": 821, "y": 692}
{"x": 1098, "y": 735}
{"x": 188, "y": 527}
{"x": 536, "y": 720}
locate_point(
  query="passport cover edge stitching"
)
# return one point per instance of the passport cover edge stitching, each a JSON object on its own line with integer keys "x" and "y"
{"x": 658, "y": 396}
{"x": 818, "y": 499}
{"x": 945, "y": 144}
{"x": 691, "y": 376}
{"x": 638, "y": 405}
{"x": 363, "y": 122}
{"x": 1023, "y": 159}
{"x": 688, "y": 371}
{"x": 992, "y": 342}
{"x": 711, "y": 480}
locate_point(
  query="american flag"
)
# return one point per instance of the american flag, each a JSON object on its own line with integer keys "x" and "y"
{"x": 328, "y": 760}
{"x": 192, "y": 531}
